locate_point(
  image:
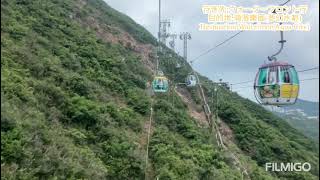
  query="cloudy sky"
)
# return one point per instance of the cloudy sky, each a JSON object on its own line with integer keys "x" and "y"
{"x": 238, "y": 59}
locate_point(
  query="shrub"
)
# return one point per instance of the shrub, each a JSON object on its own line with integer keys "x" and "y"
{"x": 139, "y": 101}
{"x": 83, "y": 111}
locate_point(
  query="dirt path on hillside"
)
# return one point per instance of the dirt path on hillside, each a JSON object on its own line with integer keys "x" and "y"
{"x": 200, "y": 117}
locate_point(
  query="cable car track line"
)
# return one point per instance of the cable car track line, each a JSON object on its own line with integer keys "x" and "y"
{"x": 309, "y": 79}
{"x": 242, "y": 82}
{"x": 148, "y": 139}
{"x": 220, "y": 44}
{"x": 309, "y": 69}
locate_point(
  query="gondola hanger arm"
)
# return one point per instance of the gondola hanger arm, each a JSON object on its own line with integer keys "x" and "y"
{"x": 282, "y": 41}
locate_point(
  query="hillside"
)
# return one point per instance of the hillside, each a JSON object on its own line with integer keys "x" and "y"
{"x": 308, "y": 126}
{"x": 304, "y": 116}
{"x": 75, "y": 104}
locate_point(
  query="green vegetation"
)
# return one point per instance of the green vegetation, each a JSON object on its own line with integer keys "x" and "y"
{"x": 75, "y": 107}
{"x": 308, "y": 122}
{"x": 309, "y": 127}
{"x": 60, "y": 86}
{"x": 264, "y": 136}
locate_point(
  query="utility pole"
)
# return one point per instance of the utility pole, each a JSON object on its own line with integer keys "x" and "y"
{"x": 162, "y": 32}
{"x": 159, "y": 35}
{"x": 185, "y": 36}
{"x": 163, "y": 29}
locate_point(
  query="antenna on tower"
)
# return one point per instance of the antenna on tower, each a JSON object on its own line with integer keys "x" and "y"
{"x": 172, "y": 43}
{"x": 185, "y": 36}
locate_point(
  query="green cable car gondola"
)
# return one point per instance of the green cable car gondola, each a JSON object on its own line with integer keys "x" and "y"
{"x": 276, "y": 83}
{"x": 160, "y": 84}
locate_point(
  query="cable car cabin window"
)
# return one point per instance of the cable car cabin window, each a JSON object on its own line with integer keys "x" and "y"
{"x": 294, "y": 75}
{"x": 159, "y": 83}
{"x": 290, "y": 83}
{"x": 285, "y": 75}
{"x": 273, "y": 75}
{"x": 262, "y": 80}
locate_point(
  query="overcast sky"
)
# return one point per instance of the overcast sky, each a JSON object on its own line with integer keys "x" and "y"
{"x": 239, "y": 59}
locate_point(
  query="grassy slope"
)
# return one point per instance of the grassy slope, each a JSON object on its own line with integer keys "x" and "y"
{"x": 71, "y": 108}
{"x": 309, "y": 127}
{"x": 264, "y": 136}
